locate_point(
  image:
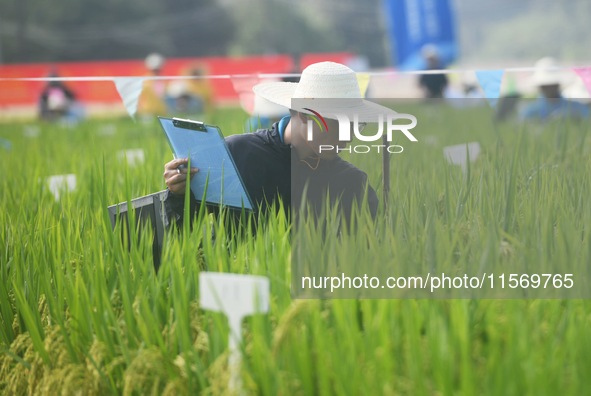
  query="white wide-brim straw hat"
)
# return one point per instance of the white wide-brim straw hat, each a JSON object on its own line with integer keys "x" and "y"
{"x": 154, "y": 61}
{"x": 318, "y": 83}
{"x": 265, "y": 108}
{"x": 547, "y": 72}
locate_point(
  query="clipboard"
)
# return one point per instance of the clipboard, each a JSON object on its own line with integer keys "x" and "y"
{"x": 218, "y": 182}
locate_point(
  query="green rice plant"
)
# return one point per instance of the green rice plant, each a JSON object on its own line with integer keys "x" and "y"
{"x": 82, "y": 310}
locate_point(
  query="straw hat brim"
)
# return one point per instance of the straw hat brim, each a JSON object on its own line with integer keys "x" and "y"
{"x": 282, "y": 94}
{"x": 265, "y": 108}
{"x": 541, "y": 78}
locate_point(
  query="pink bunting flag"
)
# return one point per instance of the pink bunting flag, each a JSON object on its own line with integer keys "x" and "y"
{"x": 585, "y": 74}
{"x": 243, "y": 87}
{"x": 253, "y": 104}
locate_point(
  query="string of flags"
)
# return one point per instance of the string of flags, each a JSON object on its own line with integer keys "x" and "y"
{"x": 130, "y": 88}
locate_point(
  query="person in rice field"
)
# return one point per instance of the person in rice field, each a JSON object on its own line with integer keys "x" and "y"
{"x": 281, "y": 162}
{"x": 551, "y": 104}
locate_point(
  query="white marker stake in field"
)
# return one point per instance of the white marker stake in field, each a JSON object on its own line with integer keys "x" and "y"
{"x": 60, "y": 183}
{"x": 134, "y": 156}
{"x": 31, "y": 131}
{"x": 237, "y": 296}
{"x": 107, "y": 130}
{"x": 461, "y": 153}
{"x": 431, "y": 140}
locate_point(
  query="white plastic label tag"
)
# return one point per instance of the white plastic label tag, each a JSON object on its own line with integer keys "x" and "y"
{"x": 133, "y": 156}
{"x": 236, "y": 296}
{"x": 60, "y": 183}
{"x": 460, "y": 153}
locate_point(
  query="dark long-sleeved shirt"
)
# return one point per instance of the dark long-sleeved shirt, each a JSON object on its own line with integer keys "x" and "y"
{"x": 271, "y": 171}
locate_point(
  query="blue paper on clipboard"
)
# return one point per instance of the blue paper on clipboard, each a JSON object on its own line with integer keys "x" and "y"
{"x": 205, "y": 145}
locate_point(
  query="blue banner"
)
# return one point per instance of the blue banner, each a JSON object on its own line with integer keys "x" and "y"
{"x": 413, "y": 24}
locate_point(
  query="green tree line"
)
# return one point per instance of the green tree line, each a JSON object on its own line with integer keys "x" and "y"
{"x": 71, "y": 30}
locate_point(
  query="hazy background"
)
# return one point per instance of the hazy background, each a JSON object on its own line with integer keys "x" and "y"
{"x": 504, "y": 32}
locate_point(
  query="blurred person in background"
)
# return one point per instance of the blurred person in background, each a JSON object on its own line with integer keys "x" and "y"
{"x": 465, "y": 92}
{"x": 191, "y": 96}
{"x": 152, "y": 101}
{"x": 509, "y": 100}
{"x": 432, "y": 84}
{"x": 548, "y": 78}
{"x": 57, "y": 102}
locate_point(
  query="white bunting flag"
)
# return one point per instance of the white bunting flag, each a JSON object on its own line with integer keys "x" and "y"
{"x": 129, "y": 89}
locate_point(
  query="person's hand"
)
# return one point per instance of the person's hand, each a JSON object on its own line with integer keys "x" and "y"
{"x": 175, "y": 177}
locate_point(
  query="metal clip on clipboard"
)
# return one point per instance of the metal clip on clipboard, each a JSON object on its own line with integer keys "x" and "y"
{"x": 189, "y": 124}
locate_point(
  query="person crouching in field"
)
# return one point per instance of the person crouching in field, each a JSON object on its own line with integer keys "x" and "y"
{"x": 281, "y": 160}
{"x": 551, "y": 104}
